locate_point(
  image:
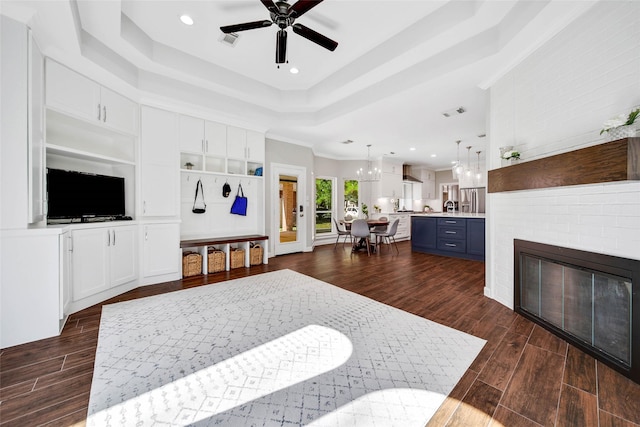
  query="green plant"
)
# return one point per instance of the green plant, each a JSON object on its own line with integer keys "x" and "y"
{"x": 365, "y": 209}
{"x": 511, "y": 155}
{"x": 620, "y": 120}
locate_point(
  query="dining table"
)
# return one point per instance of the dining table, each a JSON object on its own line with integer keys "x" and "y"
{"x": 362, "y": 243}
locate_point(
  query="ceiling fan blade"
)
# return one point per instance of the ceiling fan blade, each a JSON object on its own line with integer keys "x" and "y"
{"x": 246, "y": 26}
{"x": 303, "y": 6}
{"x": 314, "y": 36}
{"x": 281, "y": 47}
{"x": 270, "y": 5}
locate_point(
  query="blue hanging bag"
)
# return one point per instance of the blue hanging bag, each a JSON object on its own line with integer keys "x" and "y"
{"x": 239, "y": 206}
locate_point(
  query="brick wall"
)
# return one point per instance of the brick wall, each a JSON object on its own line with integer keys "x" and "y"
{"x": 556, "y": 101}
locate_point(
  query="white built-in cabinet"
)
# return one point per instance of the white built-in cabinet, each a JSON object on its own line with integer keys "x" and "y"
{"x": 160, "y": 250}
{"x": 159, "y": 170}
{"x": 390, "y": 180}
{"x": 214, "y": 147}
{"x": 102, "y": 258}
{"x": 64, "y": 273}
{"x": 203, "y": 144}
{"x": 74, "y": 94}
{"x": 428, "y": 178}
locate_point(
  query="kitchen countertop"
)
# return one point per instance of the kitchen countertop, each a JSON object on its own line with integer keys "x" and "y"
{"x": 435, "y": 214}
{"x": 451, "y": 215}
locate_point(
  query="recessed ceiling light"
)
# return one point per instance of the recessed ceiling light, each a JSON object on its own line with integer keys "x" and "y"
{"x": 433, "y": 155}
{"x": 294, "y": 70}
{"x": 186, "y": 20}
{"x": 412, "y": 149}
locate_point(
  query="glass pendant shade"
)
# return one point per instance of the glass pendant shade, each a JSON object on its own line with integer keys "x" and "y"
{"x": 457, "y": 169}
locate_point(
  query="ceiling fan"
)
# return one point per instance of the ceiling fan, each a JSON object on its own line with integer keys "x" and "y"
{"x": 283, "y": 15}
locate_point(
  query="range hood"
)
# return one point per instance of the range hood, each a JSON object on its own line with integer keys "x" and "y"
{"x": 406, "y": 174}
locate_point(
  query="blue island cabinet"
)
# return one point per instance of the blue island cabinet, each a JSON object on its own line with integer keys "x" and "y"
{"x": 448, "y": 236}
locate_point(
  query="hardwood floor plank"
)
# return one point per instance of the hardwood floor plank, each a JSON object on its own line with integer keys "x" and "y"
{"x": 618, "y": 394}
{"x": 28, "y": 372}
{"x": 477, "y": 407}
{"x": 48, "y": 397}
{"x": 522, "y": 326}
{"x": 499, "y": 368}
{"x": 609, "y": 420}
{"x": 505, "y": 417}
{"x": 577, "y": 408}
{"x": 451, "y": 403}
{"x": 534, "y": 389}
{"x": 580, "y": 370}
{"x": 544, "y": 339}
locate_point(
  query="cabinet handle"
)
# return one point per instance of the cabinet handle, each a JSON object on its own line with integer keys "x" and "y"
{"x": 144, "y": 206}
{"x": 99, "y": 110}
{"x": 206, "y": 145}
{"x": 451, "y": 222}
{"x": 104, "y": 115}
{"x": 108, "y": 238}
{"x": 146, "y": 235}
{"x": 450, "y": 245}
{"x": 70, "y": 244}
{"x": 114, "y": 236}
{"x": 450, "y": 232}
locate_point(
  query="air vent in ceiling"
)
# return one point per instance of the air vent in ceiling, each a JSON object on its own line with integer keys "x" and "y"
{"x": 228, "y": 39}
{"x": 348, "y": 141}
{"x": 453, "y": 111}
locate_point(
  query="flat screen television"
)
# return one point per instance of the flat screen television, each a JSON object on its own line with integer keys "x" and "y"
{"x": 73, "y": 195}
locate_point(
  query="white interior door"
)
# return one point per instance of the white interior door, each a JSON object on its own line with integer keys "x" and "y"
{"x": 288, "y": 185}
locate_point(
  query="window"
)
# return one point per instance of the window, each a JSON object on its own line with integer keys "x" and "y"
{"x": 351, "y": 197}
{"x": 324, "y": 204}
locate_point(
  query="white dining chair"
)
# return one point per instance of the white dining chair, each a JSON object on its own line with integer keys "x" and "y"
{"x": 360, "y": 230}
{"x": 389, "y": 235}
{"x": 341, "y": 232}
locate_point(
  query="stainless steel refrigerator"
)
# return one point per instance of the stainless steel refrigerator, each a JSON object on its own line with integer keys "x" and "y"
{"x": 472, "y": 200}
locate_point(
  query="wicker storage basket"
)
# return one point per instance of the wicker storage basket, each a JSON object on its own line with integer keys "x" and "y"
{"x": 215, "y": 261}
{"x": 255, "y": 255}
{"x": 237, "y": 258}
{"x": 191, "y": 264}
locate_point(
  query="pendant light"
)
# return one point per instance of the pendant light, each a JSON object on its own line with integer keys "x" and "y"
{"x": 468, "y": 171}
{"x": 457, "y": 168}
{"x": 370, "y": 173}
{"x": 478, "y": 174}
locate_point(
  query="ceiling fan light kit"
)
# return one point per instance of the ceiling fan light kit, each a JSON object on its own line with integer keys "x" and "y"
{"x": 283, "y": 15}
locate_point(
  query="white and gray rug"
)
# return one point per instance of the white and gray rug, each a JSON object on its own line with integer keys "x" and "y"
{"x": 276, "y": 349}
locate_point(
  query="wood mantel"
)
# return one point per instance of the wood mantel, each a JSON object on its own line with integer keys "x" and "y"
{"x": 612, "y": 161}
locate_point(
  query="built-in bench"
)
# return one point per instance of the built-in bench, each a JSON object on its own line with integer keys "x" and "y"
{"x": 226, "y": 244}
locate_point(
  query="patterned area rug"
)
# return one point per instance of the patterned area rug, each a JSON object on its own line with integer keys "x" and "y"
{"x": 276, "y": 349}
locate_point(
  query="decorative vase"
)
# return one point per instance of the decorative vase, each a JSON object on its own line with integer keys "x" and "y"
{"x": 513, "y": 161}
{"x": 628, "y": 131}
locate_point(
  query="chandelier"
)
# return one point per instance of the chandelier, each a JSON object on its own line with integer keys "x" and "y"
{"x": 370, "y": 173}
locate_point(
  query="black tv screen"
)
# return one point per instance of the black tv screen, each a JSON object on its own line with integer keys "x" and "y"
{"x": 73, "y": 194}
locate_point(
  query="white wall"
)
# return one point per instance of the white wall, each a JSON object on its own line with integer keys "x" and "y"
{"x": 556, "y": 101}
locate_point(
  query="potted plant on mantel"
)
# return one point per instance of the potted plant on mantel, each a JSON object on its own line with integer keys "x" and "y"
{"x": 622, "y": 126}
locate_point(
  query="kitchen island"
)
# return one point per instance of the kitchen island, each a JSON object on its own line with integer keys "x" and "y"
{"x": 458, "y": 235}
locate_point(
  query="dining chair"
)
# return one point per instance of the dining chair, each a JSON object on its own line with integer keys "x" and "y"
{"x": 379, "y": 229}
{"x": 389, "y": 235}
{"x": 341, "y": 232}
{"x": 360, "y": 230}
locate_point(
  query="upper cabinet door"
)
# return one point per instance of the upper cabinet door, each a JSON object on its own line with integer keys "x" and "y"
{"x": 118, "y": 112}
{"x": 72, "y": 93}
{"x": 191, "y": 134}
{"x": 80, "y": 97}
{"x": 215, "y": 139}
{"x": 236, "y": 142}
{"x": 255, "y": 146}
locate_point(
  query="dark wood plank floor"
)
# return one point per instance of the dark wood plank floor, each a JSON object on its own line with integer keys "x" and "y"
{"x": 524, "y": 376}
